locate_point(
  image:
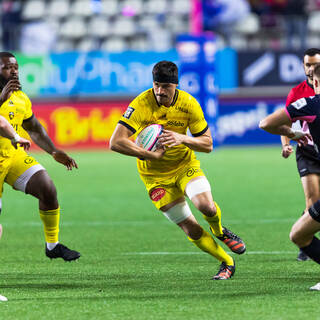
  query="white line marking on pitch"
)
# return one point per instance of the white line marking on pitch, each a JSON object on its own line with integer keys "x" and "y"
{"x": 134, "y": 223}
{"x": 191, "y": 253}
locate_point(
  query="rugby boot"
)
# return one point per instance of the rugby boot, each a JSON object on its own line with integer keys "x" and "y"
{"x": 302, "y": 256}
{"x": 61, "y": 251}
{"x": 234, "y": 242}
{"x": 225, "y": 272}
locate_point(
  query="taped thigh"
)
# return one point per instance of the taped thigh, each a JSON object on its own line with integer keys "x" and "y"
{"x": 178, "y": 213}
{"x": 197, "y": 186}
{"x": 23, "y": 179}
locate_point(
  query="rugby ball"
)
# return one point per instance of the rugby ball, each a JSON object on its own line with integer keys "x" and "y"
{"x": 148, "y": 137}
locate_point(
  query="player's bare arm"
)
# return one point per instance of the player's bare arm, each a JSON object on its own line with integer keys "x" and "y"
{"x": 120, "y": 142}
{"x": 40, "y": 136}
{"x": 7, "y": 131}
{"x": 202, "y": 143}
{"x": 287, "y": 148}
{"x": 279, "y": 123}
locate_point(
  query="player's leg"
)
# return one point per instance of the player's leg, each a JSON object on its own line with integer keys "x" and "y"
{"x": 179, "y": 213}
{"x": 303, "y": 231}
{"x": 311, "y": 189}
{"x": 198, "y": 191}
{"x": 310, "y": 184}
{"x": 42, "y": 187}
{"x": 28, "y": 176}
{"x": 309, "y": 171}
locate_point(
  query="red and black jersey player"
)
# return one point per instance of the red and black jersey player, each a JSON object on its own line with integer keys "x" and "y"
{"x": 308, "y": 163}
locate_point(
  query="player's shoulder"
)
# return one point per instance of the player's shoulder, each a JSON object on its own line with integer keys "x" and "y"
{"x": 143, "y": 98}
{"x": 22, "y": 95}
{"x": 307, "y": 101}
{"x": 186, "y": 98}
{"x": 302, "y": 89}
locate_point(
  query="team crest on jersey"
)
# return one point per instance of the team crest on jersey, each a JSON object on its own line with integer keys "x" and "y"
{"x": 128, "y": 112}
{"x": 157, "y": 194}
{"x": 11, "y": 115}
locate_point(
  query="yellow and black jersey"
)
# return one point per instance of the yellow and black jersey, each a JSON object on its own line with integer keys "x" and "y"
{"x": 16, "y": 109}
{"x": 183, "y": 114}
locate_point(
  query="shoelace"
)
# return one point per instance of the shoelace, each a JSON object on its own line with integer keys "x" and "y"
{"x": 230, "y": 234}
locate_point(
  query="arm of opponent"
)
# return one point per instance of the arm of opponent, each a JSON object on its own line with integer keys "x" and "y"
{"x": 201, "y": 143}
{"x": 287, "y": 148}
{"x": 40, "y": 136}
{"x": 280, "y": 123}
{"x": 7, "y": 131}
{"x": 121, "y": 143}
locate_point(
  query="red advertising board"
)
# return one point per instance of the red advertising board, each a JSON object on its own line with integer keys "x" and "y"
{"x": 80, "y": 124}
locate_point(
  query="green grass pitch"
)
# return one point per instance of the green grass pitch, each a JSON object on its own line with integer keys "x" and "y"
{"x": 137, "y": 265}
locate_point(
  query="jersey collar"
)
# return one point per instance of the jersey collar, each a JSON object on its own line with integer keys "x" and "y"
{"x": 310, "y": 85}
{"x": 176, "y": 94}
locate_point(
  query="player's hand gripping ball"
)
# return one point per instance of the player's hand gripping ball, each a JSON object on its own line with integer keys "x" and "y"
{"x": 148, "y": 137}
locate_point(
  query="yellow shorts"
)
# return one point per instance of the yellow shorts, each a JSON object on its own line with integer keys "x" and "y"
{"x": 163, "y": 190}
{"x": 17, "y": 170}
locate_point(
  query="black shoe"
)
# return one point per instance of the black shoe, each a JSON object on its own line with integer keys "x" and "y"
{"x": 225, "y": 272}
{"x": 61, "y": 251}
{"x": 302, "y": 256}
{"x": 234, "y": 242}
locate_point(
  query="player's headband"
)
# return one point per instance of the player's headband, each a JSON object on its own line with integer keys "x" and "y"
{"x": 158, "y": 77}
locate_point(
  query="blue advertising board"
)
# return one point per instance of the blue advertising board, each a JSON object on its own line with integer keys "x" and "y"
{"x": 100, "y": 73}
{"x": 238, "y": 122}
{"x": 197, "y": 58}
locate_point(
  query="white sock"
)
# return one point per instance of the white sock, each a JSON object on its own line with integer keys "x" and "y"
{"x": 51, "y": 246}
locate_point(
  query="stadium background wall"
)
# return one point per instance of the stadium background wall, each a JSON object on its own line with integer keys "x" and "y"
{"x": 90, "y": 124}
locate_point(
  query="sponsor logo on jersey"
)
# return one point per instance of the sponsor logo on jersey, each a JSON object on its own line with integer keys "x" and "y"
{"x": 175, "y": 123}
{"x": 192, "y": 171}
{"x": 10, "y": 103}
{"x": 11, "y": 115}
{"x": 299, "y": 103}
{"x": 157, "y": 194}
{"x": 181, "y": 109}
{"x": 28, "y": 160}
{"x": 128, "y": 112}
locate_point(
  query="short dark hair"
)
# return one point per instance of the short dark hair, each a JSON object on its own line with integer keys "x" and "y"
{"x": 166, "y": 70}
{"x": 311, "y": 52}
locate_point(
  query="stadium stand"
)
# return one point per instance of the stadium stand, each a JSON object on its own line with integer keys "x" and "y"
{"x": 131, "y": 24}
{"x": 112, "y": 25}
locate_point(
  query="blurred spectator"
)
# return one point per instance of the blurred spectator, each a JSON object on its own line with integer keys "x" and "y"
{"x": 37, "y": 37}
{"x": 10, "y": 23}
{"x": 221, "y": 15}
{"x": 296, "y": 23}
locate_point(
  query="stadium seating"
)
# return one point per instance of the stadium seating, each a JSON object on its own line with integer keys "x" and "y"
{"x": 111, "y": 24}
{"x": 97, "y": 24}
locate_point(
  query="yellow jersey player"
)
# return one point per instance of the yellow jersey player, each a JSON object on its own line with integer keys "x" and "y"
{"x": 172, "y": 171}
{"x": 22, "y": 171}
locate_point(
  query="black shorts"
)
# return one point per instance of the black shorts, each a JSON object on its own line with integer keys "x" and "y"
{"x": 308, "y": 161}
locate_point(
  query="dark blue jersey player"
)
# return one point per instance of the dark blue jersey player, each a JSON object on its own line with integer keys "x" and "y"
{"x": 307, "y": 109}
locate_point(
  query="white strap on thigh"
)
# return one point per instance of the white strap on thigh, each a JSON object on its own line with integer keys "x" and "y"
{"x": 21, "y": 182}
{"x": 181, "y": 211}
{"x": 197, "y": 186}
